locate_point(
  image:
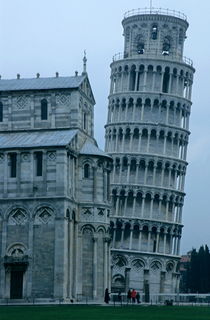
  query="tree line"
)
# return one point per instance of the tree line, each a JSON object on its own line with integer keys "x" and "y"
{"x": 195, "y": 277}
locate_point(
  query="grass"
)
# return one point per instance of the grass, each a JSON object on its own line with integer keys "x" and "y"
{"x": 80, "y": 312}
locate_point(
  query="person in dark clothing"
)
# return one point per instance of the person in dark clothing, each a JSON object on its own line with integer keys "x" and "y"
{"x": 106, "y": 296}
{"x": 119, "y": 296}
{"x": 129, "y": 296}
{"x": 138, "y": 297}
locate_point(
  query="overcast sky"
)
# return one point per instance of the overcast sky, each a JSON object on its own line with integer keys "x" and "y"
{"x": 46, "y": 36}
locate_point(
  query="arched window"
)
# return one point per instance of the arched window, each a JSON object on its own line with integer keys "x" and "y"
{"x": 1, "y": 111}
{"x": 140, "y": 48}
{"x": 86, "y": 170}
{"x": 154, "y": 32}
{"x": 166, "y": 77}
{"x": 166, "y": 46}
{"x": 84, "y": 121}
{"x": 181, "y": 36}
{"x": 44, "y": 110}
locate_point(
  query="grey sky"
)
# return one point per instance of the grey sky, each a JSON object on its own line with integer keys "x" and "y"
{"x": 46, "y": 36}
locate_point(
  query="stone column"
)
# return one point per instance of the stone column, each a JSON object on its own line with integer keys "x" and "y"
{"x": 131, "y": 141}
{"x": 167, "y": 205}
{"x": 169, "y": 177}
{"x": 149, "y": 240}
{"x": 131, "y": 238}
{"x": 157, "y": 242}
{"x": 148, "y": 142}
{"x": 126, "y": 111}
{"x": 154, "y": 174}
{"x": 71, "y": 256}
{"x": 136, "y": 81}
{"x": 151, "y": 207}
{"x": 174, "y": 245}
{"x": 167, "y": 114}
{"x": 30, "y": 254}
{"x": 3, "y": 292}
{"x": 170, "y": 83}
{"x": 164, "y": 243}
{"x": 134, "y": 111}
{"x": 145, "y": 174}
{"x": 145, "y": 80}
{"x": 125, "y": 205}
{"x": 140, "y": 238}
{"x": 106, "y": 263}
{"x": 123, "y": 143}
{"x": 114, "y": 237}
{"x": 128, "y": 171}
{"x": 44, "y": 172}
{"x": 159, "y": 206}
{"x": 142, "y": 206}
{"x": 180, "y": 213}
{"x": 153, "y": 81}
{"x": 94, "y": 183}
{"x": 177, "y": 85}
{"x": 122, "y": 236}
{"x": 104, "y": 185}
{"x": 134, "y": 205}
{"x": 117, "y": 205}
{"x": 137, "y": 172}
{"x": 164, "y": 145}
{"x": 77, "y": 284}
{"x": 142, "y": 112}
{"x": 139, "y": 142}
{"x": 6, "y": 173}
{"x": 95, "y": 247}
{"x": 178, "y": 245}
{"x": 116, "y": 143}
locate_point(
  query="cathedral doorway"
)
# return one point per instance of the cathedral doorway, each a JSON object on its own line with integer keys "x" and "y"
{"x": 16, "y": 284}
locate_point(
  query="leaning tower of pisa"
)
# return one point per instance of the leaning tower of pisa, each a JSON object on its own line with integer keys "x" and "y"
{"x": 147, "y": 135}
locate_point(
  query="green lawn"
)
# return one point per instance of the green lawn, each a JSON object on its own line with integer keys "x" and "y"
{"x": 77, "y": 312}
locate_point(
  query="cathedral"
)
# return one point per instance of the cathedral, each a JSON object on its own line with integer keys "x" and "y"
{"x": 54, "y": 187}
{"x": 75, "y": 220}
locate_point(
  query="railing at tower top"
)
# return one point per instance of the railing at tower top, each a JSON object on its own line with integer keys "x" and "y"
{"x": 159, "y": 11}
{"x": 154, "y": 54}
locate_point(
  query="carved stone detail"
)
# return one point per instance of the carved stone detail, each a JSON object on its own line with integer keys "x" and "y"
{"x": 18, "y": 217}
{"x": 44, "y": 215}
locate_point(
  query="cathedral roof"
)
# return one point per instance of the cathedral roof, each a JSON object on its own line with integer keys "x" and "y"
{"x": 89, "y": 148}
{"x": 28, "y": 139}
{"x": 41, "y": 83}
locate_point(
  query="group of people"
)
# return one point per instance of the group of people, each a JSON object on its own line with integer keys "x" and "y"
{"x": 132, "y": 296}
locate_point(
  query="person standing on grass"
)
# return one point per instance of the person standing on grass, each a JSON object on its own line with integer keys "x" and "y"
{"x": 129, "y": 296}
{"x": 138, "y": 297}
{"x": 133, "y": 295}
{"x": 106, "y": 296}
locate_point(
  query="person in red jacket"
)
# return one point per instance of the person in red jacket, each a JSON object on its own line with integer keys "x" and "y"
{"x": 133, "y": 295}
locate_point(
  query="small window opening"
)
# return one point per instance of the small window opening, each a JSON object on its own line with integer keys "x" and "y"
{"x": 86, "y": 170}
{"x": 140, "y": 48}
{"x": 1, "y": 111}
{"x": 84, "y": 121}
{"x": 181, "y": 36}
{"x": 13, "y": 167}
{"x": 44, "y": 109}
{"x": 166, "y": 47}
{"x": 154, "y": 32}
{"x": 39, "y": 163}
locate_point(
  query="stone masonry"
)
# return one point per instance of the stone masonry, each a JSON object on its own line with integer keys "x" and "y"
{"x": 147, "y": 134}
{"x": 54, "y": 191}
